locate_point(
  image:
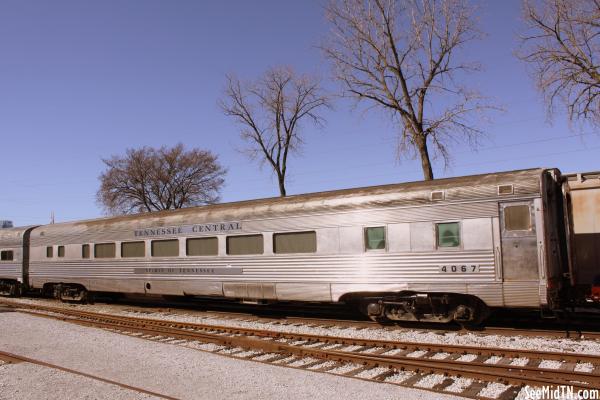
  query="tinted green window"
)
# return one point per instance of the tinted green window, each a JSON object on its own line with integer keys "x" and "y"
{"x": 448, "y": 234}
{"x": 517, "y": 218}
{"x": 61, "y": 251}
{"x": 375, "y": 238}
{"x": 240, "y": 245}
{"x": 295, "y": 242}
{"x": 202, "y": 246}
{"x": 165, "y": 248}
{"x": 85, "y": 251}
{"x": 104, "y": 250}
{"x": 49, "y": 252}
{"x": 133, "y": 249}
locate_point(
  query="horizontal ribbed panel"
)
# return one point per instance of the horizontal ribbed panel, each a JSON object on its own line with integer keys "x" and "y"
{"x": 362, "y": 269}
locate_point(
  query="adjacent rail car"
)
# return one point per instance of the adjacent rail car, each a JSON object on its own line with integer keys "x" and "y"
{"x": 442, "y": 250}
{"x": 583, "y": 199}
{"x": 14, "y": 260}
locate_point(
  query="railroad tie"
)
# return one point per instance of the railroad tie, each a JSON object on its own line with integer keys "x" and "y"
{"x": 533, "y": 362}
{"x": 510, "y": 393}
{"x": 329, "y": 367}
{"x": 313, "y": 364}
{"x": 357, "y": 371}
{"x": 413, "y": 379}
{"x": 277, "y": 358}
{"x": 473, "y": 389}
{"x": 480, "y": 358}
{"x": 382, "y": 377}
{"x": 505, "y": 361}
{"x": 568, "y": 366}
{"x": 443, "y": 384}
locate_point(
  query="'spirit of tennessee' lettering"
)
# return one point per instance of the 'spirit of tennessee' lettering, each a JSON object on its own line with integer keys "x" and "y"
{"x": 204, "y": 270}
{"x": 186, "y": 229}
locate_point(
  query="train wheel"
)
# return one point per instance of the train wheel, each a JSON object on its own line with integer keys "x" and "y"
{"x": 15, "y": 290}
{"x": 75, "y": 293}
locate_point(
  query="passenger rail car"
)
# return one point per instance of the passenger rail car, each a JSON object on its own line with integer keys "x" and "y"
{"x": 442, "y": 250}
{"x": 14, "y": 260}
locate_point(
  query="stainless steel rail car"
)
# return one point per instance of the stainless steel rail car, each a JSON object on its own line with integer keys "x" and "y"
{"x": 14, "y": 260}
{"x": 442, "y": 250}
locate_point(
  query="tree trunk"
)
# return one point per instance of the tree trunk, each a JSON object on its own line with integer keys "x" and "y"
{"x": 281, "y": 180}
{"x": 421, "y": 143}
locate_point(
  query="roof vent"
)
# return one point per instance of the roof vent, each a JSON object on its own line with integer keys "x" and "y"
{"x": 505, "y": 189}
{"x": 437, "y": 195}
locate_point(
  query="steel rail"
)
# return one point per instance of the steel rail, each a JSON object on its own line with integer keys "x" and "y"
{"x": 15, "y": 358}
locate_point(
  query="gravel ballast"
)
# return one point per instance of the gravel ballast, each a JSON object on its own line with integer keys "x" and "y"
{"x": 177, "y": 371}
{"x": 408, "y": 335}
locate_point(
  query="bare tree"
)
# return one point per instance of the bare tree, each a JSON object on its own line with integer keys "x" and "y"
{"x": 400, "y": 55}
{"x": 563, "y": 45}
{"x": 270, "y": 111}
{"x": 149, "y": 179}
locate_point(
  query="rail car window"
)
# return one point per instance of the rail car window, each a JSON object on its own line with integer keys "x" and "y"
{"x": 295, "y": 242}
{"x": 165, "y": 248}
{"x": 104, "y": 250}
{"x": 133, "y": 249}
{"x": 375, "y": 238}
{"x": 61, "y": 251}
{"x": 6, "y": 255}
{"x": 49, "y": 252}
{"x": 208, "y": 246}
{"x": 241, "y": 245}
{"x": 448, "y": 234}
{"x": 85, "y": 251}
{"x": 517, "y": 218}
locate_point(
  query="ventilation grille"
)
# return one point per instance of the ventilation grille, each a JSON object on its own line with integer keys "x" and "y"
{"x": 505, "y": 189}
{"x": 437, "y": 196}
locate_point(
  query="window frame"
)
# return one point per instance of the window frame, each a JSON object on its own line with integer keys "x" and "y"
{"x": 385, "y": 238}
{"x": 165, "y": 240}
{"x": 291, "y": 233}
{"x": 133, "y": 241}
{"x": 187, "y": 252}
{"x": 262, "y": 235}
{"x": 519, "y": 232}
{"x": 89, "y": 251}
{"x": 437, "y": 236}
{"x": 7, "y": 252}
{"x": 112, "y": 257}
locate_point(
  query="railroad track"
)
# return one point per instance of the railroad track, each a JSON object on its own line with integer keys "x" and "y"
{"x": 470, "y": 371}
{"x": 10, "y": 358}
{"x": 343, "y": 318}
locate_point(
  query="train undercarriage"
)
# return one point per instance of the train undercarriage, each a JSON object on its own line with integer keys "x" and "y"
{"x": 422, "y": 307}
{"x": 11, "y": 288}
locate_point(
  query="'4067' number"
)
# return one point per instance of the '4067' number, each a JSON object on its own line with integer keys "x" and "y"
{"x": 466, "y": 268}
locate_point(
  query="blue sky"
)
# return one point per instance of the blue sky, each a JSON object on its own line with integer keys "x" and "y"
{"x": 82, "y": 80}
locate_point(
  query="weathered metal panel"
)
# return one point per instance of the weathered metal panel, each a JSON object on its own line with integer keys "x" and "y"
{"x": 477, "y": 233}
{"x": 585, "y": 209}
{"x": 351, "y": 240}
{"x": 399, "y": 237}
{"x": 422, "y": 236}
{"x": 522, "y": 293}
